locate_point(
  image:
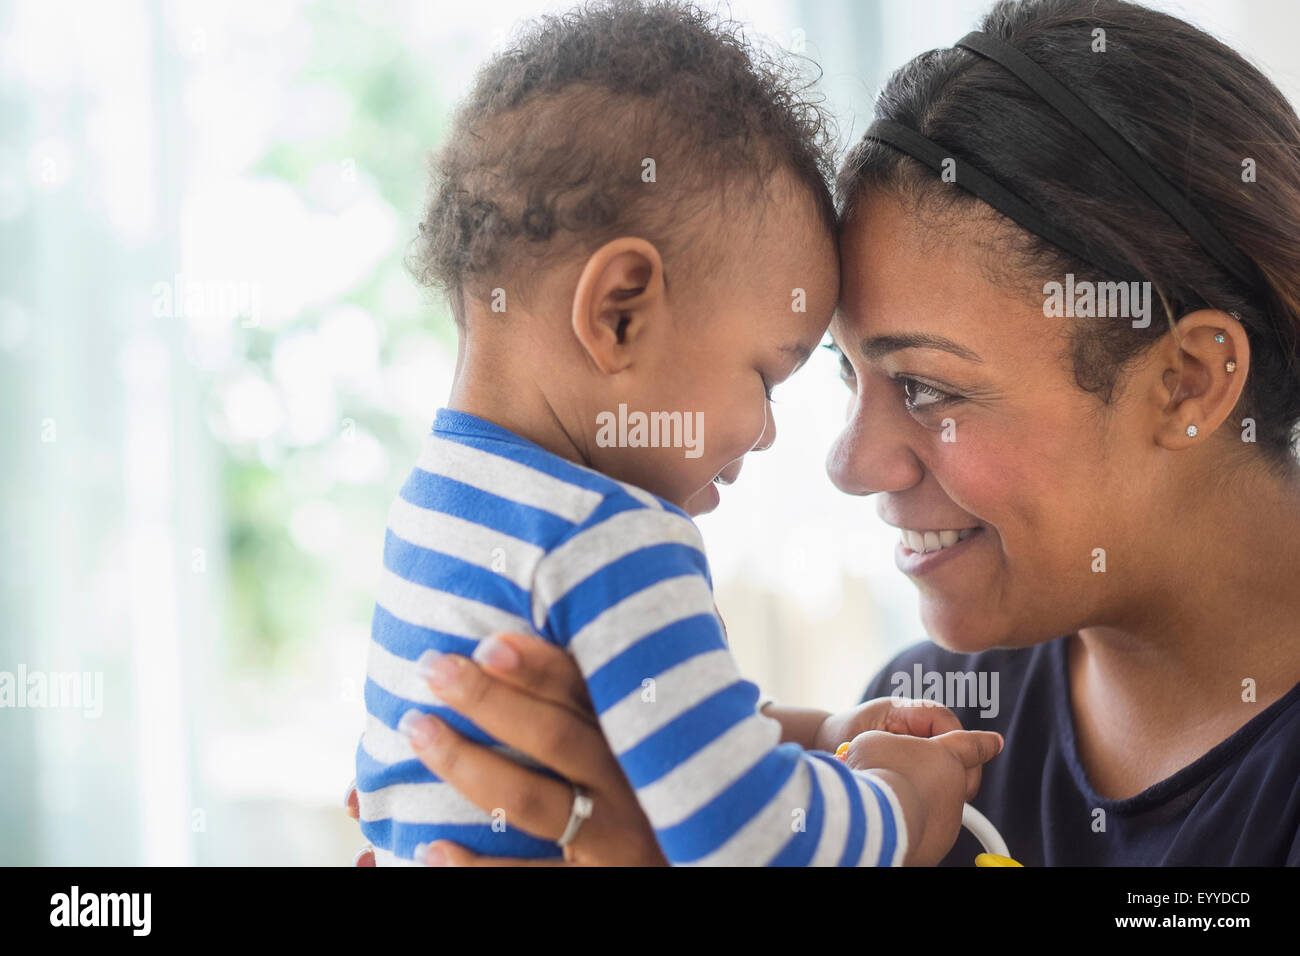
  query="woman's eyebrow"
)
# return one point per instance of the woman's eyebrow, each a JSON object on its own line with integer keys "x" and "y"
{"x": 878, "y": 346}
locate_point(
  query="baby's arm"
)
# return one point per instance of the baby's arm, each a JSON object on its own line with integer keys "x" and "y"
{"x": 799, "y": 725}
{"x": 628, "y": 595}
{"x": 933, "y": 770}
{"x": 932, "y": 777}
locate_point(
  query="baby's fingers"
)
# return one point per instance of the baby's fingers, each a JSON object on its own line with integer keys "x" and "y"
{"x": 916, "y": 718}
{"x": 973, "y": 748}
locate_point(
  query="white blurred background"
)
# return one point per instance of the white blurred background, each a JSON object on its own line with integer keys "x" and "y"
{"x": 216, "y": 372}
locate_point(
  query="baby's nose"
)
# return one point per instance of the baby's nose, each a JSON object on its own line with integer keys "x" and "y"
{"x": 768, "y": 438}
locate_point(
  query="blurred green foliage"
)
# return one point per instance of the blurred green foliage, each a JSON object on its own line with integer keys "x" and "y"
{"x": 282, "y": 595}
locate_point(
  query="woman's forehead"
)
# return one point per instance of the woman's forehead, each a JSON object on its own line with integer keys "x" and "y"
{"x": 904, "y": 276}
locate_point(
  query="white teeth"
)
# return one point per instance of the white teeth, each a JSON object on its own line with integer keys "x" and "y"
{"x": 923, "y": 542}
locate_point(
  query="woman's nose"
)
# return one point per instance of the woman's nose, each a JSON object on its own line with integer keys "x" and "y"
{"x": 871, "y": 454}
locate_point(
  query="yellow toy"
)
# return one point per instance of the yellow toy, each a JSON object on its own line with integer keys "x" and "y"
{"x": 995, "y": 848}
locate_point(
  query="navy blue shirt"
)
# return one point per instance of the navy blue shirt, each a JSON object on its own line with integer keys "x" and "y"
{"x": 1237, "y": 805}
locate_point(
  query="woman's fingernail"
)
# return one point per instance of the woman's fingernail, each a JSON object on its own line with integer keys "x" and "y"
{"x": 429, "y": 855}
{"x": 364, "y": 851}
{"x": 442, "y": 671}
{"x": 347, "y": 794}
{"x": 419, "y": 728}
{"x": 496, "y": 654}
{"x": 424, "y": 666}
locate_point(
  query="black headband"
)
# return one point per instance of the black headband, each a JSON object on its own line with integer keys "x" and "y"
{"x": 1104, "y": 136}
{"x": 988, "y": 189}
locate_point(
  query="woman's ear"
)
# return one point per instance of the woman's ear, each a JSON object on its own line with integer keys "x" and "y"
{"x": 620, "y": 296}
{"x": 1205, "y": 363}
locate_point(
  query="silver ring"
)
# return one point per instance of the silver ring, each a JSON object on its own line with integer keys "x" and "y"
{"x": 580, "y": 812}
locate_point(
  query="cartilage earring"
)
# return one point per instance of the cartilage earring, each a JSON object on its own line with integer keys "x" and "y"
{"x": 1191, "y": 431}
{"x": 1219, "y": 338}
{"x": 1230, "y": 367}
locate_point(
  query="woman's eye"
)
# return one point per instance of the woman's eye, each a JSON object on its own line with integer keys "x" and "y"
{"x": 918, "y": 395}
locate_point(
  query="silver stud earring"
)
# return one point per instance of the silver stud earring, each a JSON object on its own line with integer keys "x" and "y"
{"x": 1191, "y": 431}
{"x": 1219, "y": 338}
{"x": 1230, "y": 367}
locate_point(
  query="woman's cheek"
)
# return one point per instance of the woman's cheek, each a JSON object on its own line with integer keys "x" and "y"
{"x": 981, "y": 473}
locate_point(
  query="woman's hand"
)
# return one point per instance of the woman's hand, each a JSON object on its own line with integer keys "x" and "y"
{"x": 365, "y": 856}
{"x": 530, "y": 696}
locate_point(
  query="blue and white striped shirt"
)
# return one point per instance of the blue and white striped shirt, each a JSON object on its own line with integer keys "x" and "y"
{"x": 493, "y": 533}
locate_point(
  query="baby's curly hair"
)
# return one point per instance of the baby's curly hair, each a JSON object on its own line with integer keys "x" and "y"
{"x": 547, "y": 152}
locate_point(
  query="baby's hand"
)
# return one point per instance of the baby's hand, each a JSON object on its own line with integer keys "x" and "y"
{"x": 897, "y": 715}
{"x": 932, "y": 778}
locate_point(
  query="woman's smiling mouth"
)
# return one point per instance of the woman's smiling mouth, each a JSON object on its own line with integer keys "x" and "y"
{"x": 921, "y": 551}
{"x": 923, "y": 542}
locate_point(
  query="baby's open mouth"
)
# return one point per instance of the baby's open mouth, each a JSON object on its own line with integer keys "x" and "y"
{"x": 923, "y": 542}
{"x": 728, "y": 475}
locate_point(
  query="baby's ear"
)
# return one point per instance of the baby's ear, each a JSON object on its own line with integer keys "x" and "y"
{"x": 619, "y": 298}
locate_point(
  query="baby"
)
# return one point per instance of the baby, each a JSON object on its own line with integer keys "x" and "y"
{"x": 632, "y": 225}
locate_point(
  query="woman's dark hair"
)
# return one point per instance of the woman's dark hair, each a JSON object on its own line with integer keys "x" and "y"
{"x": 1193, "y": 108}
{"x": 549, "y": 147}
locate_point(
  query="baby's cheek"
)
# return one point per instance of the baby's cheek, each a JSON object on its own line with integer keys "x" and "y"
{"x": 730, "y": 428}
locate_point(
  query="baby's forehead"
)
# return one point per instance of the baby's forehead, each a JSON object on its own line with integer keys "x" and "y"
{"x": 768, "y": 230}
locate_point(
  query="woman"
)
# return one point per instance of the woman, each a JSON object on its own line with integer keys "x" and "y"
{"x": 1117, "y": 459}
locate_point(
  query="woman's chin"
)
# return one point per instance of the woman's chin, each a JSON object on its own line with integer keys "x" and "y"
{"x": 970, "y": 629}
{"x": 960, "y": 630}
